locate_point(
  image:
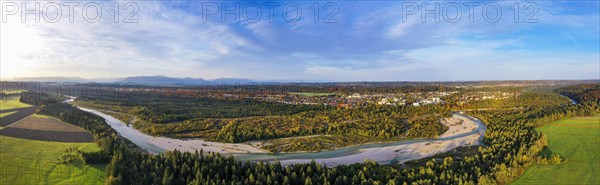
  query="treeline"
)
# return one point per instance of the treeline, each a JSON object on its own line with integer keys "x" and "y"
{"x": 210, "y": 168}
{"x": 156, "y": 107}
{"x": 519, "y": 100}
{"x": 36, "y": 98}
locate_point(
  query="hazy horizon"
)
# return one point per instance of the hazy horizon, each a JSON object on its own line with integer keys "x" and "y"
{"x": 118, "y": 79}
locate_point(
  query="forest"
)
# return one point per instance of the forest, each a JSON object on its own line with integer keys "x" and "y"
{"x": 582, "y": 92}
{"x": 160, "y": 108}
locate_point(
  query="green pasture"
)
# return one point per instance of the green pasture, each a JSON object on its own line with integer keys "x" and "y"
{"x": 36, "y": 162}
{"x": 12, "y": 102}
{"x": 576, "y": 139}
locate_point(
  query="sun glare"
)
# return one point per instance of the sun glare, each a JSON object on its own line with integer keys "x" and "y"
{"x": 21, "y": 49}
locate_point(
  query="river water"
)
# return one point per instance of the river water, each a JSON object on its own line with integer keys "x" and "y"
{"x": 135, "y": 136}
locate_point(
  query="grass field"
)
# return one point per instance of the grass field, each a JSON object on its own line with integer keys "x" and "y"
{"x": 12, "y": 102}
{"x": 35, "y": 162}
{"x": 42, "y": 116}
{"x": 6, "y": 113}
{"x": 311, "y": 94}
{"x": 577, "y": 140}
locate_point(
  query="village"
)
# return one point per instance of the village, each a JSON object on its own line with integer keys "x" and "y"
{"x": 390, "y": 99}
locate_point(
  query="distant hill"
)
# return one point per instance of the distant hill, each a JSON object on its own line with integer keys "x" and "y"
{"x": 232, "y": 81}
{"x": 141, "y": 80}
{"x": 162, "y": 80}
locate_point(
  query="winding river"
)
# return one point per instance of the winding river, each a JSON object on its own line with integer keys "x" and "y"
{"x": 380, "y": 152}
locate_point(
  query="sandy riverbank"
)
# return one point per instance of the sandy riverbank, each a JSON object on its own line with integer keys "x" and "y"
{"x": 457, "y": 125}
{"x": 192, "y": 145}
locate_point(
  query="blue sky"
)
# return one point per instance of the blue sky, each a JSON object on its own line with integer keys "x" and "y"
{"x": 362, "y": 41}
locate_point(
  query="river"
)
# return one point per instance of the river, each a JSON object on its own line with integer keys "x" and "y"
{"x": 380, "y": 152}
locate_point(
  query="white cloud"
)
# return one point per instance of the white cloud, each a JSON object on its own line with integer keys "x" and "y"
{"x": 154, "y": 45}
{"x": 468, "y": 60}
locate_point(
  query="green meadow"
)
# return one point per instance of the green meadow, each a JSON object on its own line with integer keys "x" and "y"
{"x": 578, "y": 141}
{"x": 36, "y": 162}
{"x": 11, "y": 102}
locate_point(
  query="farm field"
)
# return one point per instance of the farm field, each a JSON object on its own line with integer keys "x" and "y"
{"x": 41, "y": 159}
{"x": 36, "y": 122}
{"x": 577, "y": 140}
{"x": 46, "y": 128}
{"x": 12, "y": 102}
